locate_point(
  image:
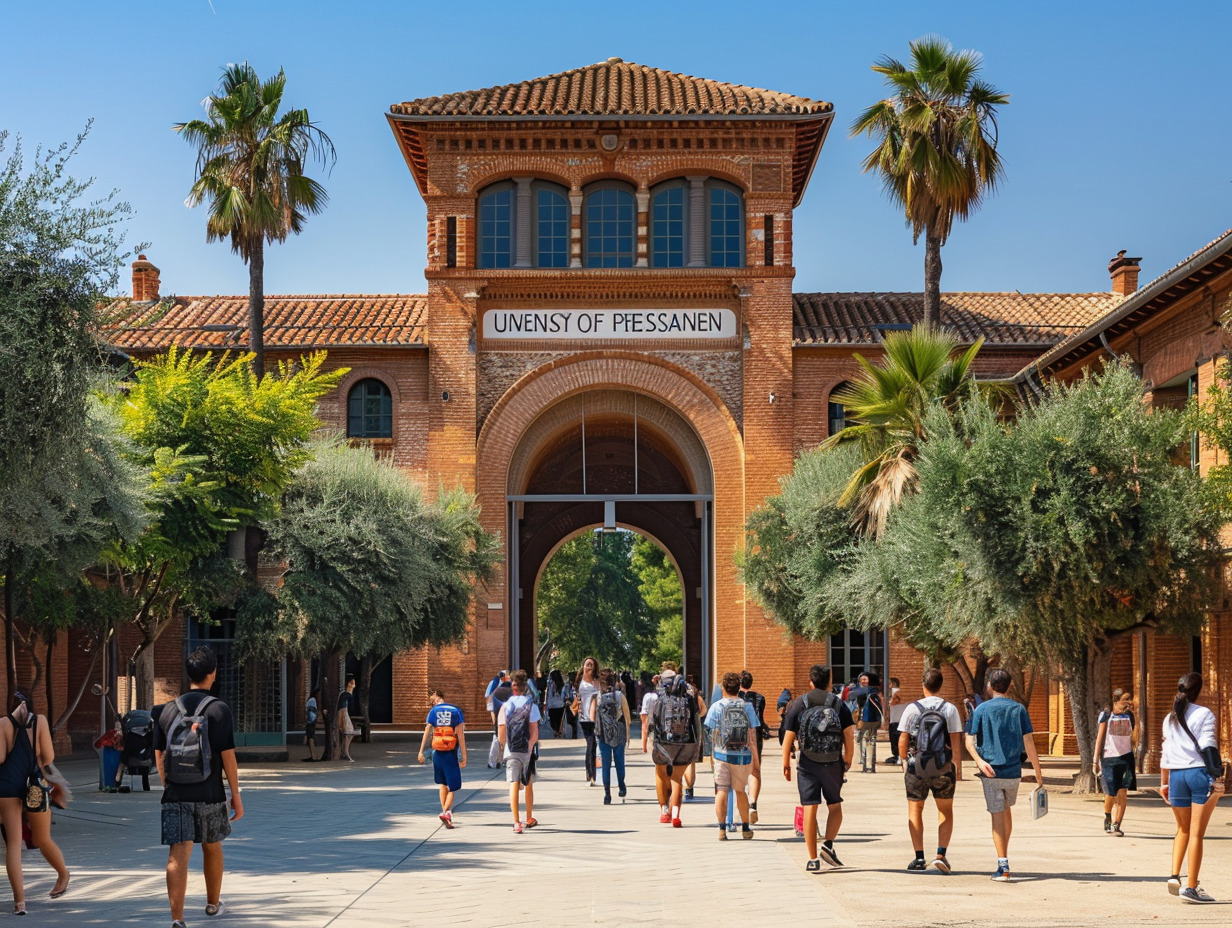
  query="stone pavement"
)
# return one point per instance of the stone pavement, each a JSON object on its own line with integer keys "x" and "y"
{"x": 359, "y": 846}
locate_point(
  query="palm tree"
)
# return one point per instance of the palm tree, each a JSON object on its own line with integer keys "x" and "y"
{"x": 886, "y": 405}
{"x": 250, "y": 167}
{"x": 937, "y": 154}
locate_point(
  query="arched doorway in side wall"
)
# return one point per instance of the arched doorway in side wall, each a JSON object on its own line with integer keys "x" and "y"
{"x": 610, "y": 458}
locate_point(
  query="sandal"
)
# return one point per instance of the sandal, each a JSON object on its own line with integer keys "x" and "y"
{"x": 57, "y": 893}
{"x": 531, "y": 822}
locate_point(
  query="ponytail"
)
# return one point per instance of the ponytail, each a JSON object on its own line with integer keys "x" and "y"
{"x": 1187, "y": 691}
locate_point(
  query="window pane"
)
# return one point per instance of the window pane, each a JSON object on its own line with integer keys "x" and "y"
{"x": 610, "y": 216}
{"x": 370, "y": 410}
{"x": 496, "y": 229}
{"x": 726, "y": 228}
{"x": 553, "y": 231}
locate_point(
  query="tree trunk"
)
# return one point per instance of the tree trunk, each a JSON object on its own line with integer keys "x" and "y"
{"x": 10, "y": 645}
{"x": 1088, "y": 686}
{"x": 256, "y": 306}
{"x": 932, "y": 278}
{"x": 49, "y": 708}
{"x": 330, "y": 744}
{"x": 143, "y": 688}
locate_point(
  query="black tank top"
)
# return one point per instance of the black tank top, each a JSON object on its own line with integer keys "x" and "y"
{"x": 15, "y": 770}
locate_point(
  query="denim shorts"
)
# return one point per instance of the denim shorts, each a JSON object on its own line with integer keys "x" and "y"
{"x": 1191, "y": 786}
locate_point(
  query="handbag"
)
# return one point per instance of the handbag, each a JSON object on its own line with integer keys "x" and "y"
{"x": 1210, "y": 757}
{"x": 38, "y": 795}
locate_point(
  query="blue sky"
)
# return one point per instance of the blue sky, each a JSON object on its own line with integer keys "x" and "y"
{"x": 1117, "y": 135}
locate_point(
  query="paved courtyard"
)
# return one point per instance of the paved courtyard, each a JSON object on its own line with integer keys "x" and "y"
{"x": 359, "y": 846}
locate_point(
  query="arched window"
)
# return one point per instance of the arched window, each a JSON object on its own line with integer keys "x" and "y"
{"x": 667, "y": 208}
{"x": 496, "y": 226}
{"x": 726, "y": 245}
{"x": 609, "y": 217}
{"x": 370, "y": 410}
{"x": 523, "y": 223}
{"x": 837, "y": 411}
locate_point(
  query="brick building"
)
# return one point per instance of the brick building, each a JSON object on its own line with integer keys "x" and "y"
{"x": 609, "y": 338}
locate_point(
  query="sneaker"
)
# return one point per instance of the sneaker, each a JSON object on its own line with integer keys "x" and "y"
{"x": 1108, "y": 827}
{"x": 447, "y": 819}
{"x": 607, "y": 799}
{"x": 917, "y": 865}
{"x": 178, "y": 923}
{"x": 746, "y": 833}
{"x": 942, "y": 864}
{"x": 676, "y": 823}
{"x": 1116, "y": 830}
{"x": 665, "y": 818}
{"x": 1174, "y": 886}
{"x": 622, "y": 792}
{"x": 1002, "y": 876}
{"x": 688, "y": 795}
{"x": 813, "y": 866}
{"x": 827, "y": 854}
{"x": 213, "y": 910}
{"x": 722, "y": 832}
{"x": 1194, "y": 896}
{"x": 517, "y": 828}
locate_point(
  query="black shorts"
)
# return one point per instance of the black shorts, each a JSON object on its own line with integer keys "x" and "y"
{"x": 918, "y": 788}
{"x": 198, "y": 822}
{"x": 820, "y": 782}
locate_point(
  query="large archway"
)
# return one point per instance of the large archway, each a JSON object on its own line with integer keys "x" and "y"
{"x": 609, "y": 458}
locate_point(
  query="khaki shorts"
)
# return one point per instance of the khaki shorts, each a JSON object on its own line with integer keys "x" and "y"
{"x": 518, "y": 769}
{"x": 731, "y": 776}
{"x": 999, "y": 793}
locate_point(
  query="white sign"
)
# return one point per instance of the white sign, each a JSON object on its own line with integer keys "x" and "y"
{"x": 507, "y": 324}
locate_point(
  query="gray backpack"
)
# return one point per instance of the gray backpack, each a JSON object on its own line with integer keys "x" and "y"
{"x": 611, "y": 719}
{"x": 188, "y": 758}
{"x": 731, "y": 729}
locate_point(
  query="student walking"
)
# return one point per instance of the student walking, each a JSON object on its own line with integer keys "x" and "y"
{"x": 194, "y": 809}
{"x": 612, "y": 722}
{"x": 587, "y": 693}
{"x": 895, "y": 704}
{"x": 1000, "y": 734}
{"x": 1114, "y": 759}
{"x": 25, "y": 746}
{"x": 699, "y": 706}
{"x": 346, "y": 708}
{"x": 871, "y": 716}
{"x": 1187, "y": 781}
{"x": 446, "y": 730}
{"x": 732, "y": 724}
{"x": 677, "y": 736}
{"x": 822, "y": 725}
{"x": 556, "y": 702}
{"x": 311, "y": 713}
{"x": 758, "y": 702}
{"x": 930, "y": 742}
{"x": 518, "y": 731}
{"x": 496, "y": 700}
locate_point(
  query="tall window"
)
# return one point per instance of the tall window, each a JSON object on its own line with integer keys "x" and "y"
{"x": 854, "y": 652}
{"x": 496, "y": 226}
{"x": 667, "y": 225}
{"x": 370, "y": 410}
{"x": 552, "y": 215}
{"x": 608, "y": 220}
{"x": 726, "y": 226}
{"x": 837, "y": 411}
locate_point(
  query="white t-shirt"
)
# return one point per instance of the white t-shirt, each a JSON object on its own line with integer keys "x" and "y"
{"x": 910, "y": 721}
{"x": 1178, "y": 751}
{"x": 1119, "y": 737}
{"x": 587, "y": 693}
{"x": 896, "y": 710}
{"x": 512, "y": 703}
{"x": 556, "y": 699}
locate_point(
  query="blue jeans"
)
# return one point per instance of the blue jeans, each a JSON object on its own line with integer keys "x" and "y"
{"x": 608, "y": 753}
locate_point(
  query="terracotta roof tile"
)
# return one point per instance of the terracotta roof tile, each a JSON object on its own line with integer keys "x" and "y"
{"x": 614, "y": 88}
{"x": 290, "y": 322}
{"x": 1001, "y": 318}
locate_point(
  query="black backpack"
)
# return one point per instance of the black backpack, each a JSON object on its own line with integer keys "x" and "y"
{"x": 611, "y": 719}
{"x": 517, "y": 727}
{"x": 934, "y": 754}
{"x": 821, "y": 729}
{"x": 188, "y": 758}
{"x": 674, "y": 714}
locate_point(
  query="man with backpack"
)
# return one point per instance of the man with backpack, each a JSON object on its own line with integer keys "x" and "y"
{"x": 822, "y": 725}
{"x": 495, "y": 700}
{"x": 518, "y": 732}
{"x": 446, "y": 729}
{"x": 758, "y": 702}
{"x": 194, "y": 747}
{"x": 732, "y": 723}
{"x": 677, "y": 740}
{"x": 930, "y": 743}
{"x": 610, "y": 713}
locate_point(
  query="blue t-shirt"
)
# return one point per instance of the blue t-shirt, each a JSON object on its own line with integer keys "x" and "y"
{"x": 444, "y": 715}
{"x": 999, "y": 726}
{"x": 712, "y": 720}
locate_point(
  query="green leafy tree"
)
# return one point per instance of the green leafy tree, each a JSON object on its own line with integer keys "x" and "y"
{"x": 659, "y": 585}
{"x": 218, "y": 447}
{"x": 370, "y": 567}
{"x": 60, "y": 251}
{"x": 250, "y": 169}
{"x": 937, "y": 145}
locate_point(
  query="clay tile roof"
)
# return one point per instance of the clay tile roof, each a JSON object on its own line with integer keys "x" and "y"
{"x": 298, "y": 322}
{"x": 614, "y": 88}
{"x": 1029, "y": 319}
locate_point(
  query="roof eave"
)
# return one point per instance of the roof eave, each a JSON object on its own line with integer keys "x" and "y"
{"x": 827, "y": 114}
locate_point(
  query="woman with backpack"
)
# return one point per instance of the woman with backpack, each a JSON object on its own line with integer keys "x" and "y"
{"x": 1114, "y": 758}
{"x": 611, "y": 720}
{"x": 870, "y": 712}
{"x": 587, "y": 693}
{"x": 1187, "y": 781}
{"x": 556, "y": 702}
{"x": 26, "y": 748}
{"x": 311, "y": 711}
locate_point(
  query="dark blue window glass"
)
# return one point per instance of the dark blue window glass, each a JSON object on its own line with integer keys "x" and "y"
{"x": 726, "y": 228}
{"x": 496, "y": 228}
{"x": 370, "y": 410}
{"x": 553, "y": 222}
{"x": 667, "y": 227}
{"x": 609, "y": 221}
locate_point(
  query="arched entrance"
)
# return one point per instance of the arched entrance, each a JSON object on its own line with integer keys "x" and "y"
{"x": 609, "y": 458}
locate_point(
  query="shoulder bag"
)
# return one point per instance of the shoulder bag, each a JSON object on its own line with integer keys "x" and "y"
{"x": 1210, "y": 756}
{"x": 38, "y": 795}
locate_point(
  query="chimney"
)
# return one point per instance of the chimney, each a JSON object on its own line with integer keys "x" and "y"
{"x": 1124, "y": 272}
{"x": 145, "y": 280}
